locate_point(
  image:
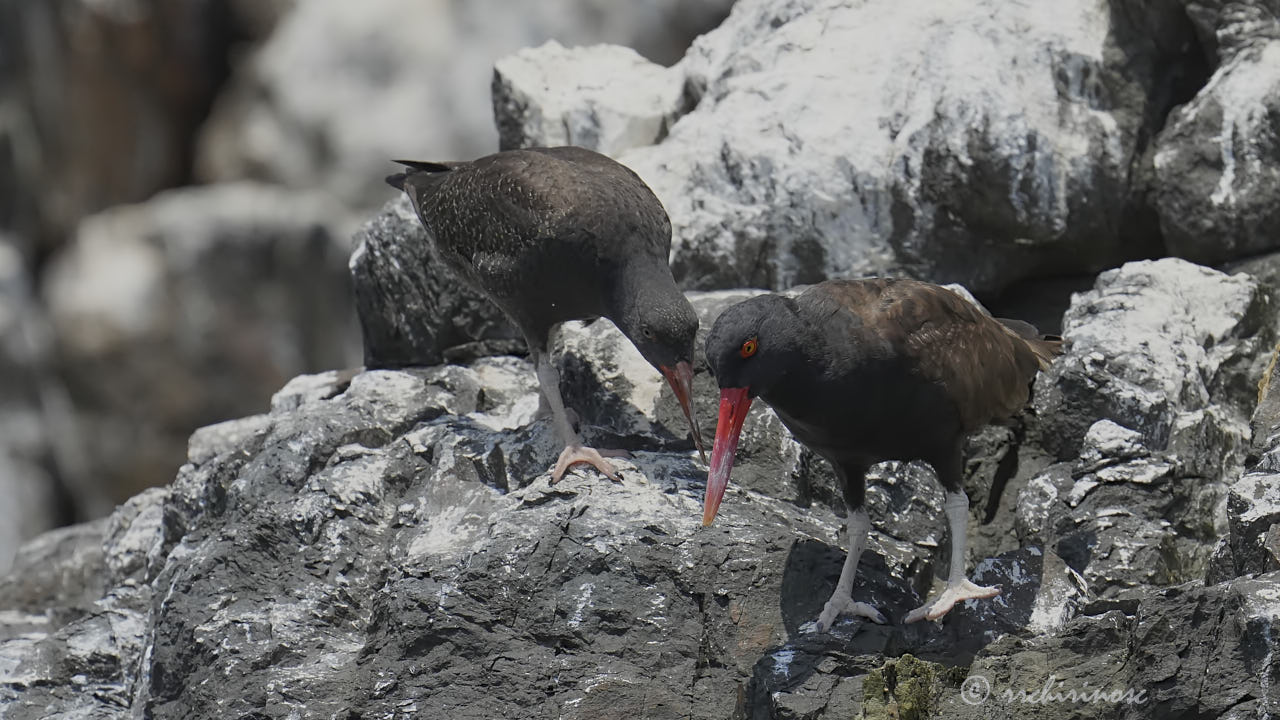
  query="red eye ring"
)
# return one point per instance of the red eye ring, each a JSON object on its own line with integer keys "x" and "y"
{"x": 749, "y": 348}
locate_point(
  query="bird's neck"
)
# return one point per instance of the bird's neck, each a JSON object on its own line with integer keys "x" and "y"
{"x": 824, "y": 353}
{"x": 807, "y": 366}
{"x": 805, "y": 356}
{"x": 637, "y": 286}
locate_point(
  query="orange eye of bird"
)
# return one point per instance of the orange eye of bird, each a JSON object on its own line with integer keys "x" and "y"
{"x": 748, "y": 348}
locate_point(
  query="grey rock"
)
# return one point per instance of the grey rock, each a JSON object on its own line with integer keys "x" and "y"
{"x": 394, "y": 534}
{"x": 1253, "y": 510}
{"x": 1265, "y": 424}
{"x": 1149, "y": 410}
{"x": 1215, "y": 175}
{"x": 1165, "y": 348}
{"x": 256, "y": 19}
{"x": 1264, "y": 268}
{"x": 31, "y": 504}
{"x": 1252, "y": 544}
{"x": 62, "y": 569}
{"x": 1182, "y": 652}
{"x": 136, "y": 76}
{"x": 931, "y": 130}
{"x": 386, "y": 543}
{"x": 412, "y": 308}
{"x": 616, "y": 391}
{"x": 554, "y": 95}
{"x": 78, "y": 654}
{"x": 189, "y": 309}
{"x": 339, "y": 89}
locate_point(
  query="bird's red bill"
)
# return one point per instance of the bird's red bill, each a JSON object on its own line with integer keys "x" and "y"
{"x": 734, "y": 403}
{"x": 681, "y": 380}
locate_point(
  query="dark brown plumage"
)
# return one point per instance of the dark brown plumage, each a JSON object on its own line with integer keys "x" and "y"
{"x": 863, "y": 371}
{"x": 556, "y": 234}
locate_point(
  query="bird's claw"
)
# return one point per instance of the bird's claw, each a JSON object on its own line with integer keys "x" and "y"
{"x": 574, "y": 454}
{"x": 964, "y": 590}
{"x": 836, "y": 607}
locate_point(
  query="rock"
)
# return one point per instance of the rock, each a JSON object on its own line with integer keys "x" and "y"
{"x": 256, "y": 19}
{"x": 1265, "y": 424}
{"x": 140, "y": 75}
{"x": 1215, "y": 180}
{"x": 62, "y": 569}
{"x": 192, "y": 308}
{"x": 1252, "y": 544}
{"x": 74, "y": 649}
{"x": 338, "y": 90}
{"x": 412, "y": 308}
{"x": 1264, "y": 268}
{"x": 407, "y": 517}
{"x": 31, "y": 504}
{"x": 1253, "y": 510}
{"x": 1182, "y": 652}
{"x": 558, "y": 96}
{"x": 1151, "y": 401}
{"x": 1164, "y": 348}
{"x": 1011, "y": 130}
{"x": 619, "y": 394}
{"x": 386, "y": 542}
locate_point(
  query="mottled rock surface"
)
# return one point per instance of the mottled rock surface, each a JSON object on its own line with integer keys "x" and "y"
{"x": 412, "y": 308}
{"x": 192, "y": 308}
{"x": 386, "y": 544}
{"x": 340, "y": 88}
{"x": 1216, "y": 175}
{"x": 960, "y": 142}
{"x": 30, "y": 498}
{"x": 1150, "y": 411}
{"x": 554, "y": 95}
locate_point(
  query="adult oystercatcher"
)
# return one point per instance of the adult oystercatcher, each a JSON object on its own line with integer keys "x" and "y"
{"x": 863, "y": 371}
{"x": 556, "y": 234}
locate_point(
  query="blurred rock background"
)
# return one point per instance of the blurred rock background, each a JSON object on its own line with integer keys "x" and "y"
{"x": 179, "y": 183}
{"x": 384, "y": 543}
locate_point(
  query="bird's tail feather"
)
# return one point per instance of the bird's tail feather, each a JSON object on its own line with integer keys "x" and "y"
{"x": 1046, "y": 347}
{"x": 397, "y": 180}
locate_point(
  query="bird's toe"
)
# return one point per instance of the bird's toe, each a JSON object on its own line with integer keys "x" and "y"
{"x": 959, "y": 592}
{"x": 837, "y": 607}
{"x": 576, "y": 454}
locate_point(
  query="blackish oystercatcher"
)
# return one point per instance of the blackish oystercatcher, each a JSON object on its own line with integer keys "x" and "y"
{"x": 556, "y": 234}
{"x": 863, "y": 371}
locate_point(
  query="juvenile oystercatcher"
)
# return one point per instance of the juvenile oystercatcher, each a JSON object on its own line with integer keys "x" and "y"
{"x": 556, "y": 234}
{"x": 863, "y": 371}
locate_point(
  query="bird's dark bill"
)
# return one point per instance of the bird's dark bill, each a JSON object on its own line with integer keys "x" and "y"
{"x": 681, "y": 381}
{"x": 734, "y": 404}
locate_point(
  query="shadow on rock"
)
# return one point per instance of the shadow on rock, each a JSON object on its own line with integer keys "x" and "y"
{"x": 860, "y": 663}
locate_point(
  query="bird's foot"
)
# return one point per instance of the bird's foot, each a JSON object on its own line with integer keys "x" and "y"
{"x": 838, "y": 606}
{"x": 954, "y": 593}
{"x": 574, "y": 454}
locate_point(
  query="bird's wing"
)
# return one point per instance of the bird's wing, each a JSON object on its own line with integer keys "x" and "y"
{"x": 985, "y": 367}
{"x": 484, "y": 215}
{"x": 614, "y": 190}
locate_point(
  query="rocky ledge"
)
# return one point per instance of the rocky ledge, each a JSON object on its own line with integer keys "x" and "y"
{"x": 386, "y": 544}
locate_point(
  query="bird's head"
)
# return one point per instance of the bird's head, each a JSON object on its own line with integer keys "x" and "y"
{"x": 752, "y": 346}
{"x": 662, "y": 326}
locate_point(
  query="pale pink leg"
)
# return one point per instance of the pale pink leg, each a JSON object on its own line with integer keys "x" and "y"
{"x": 574, "y": 452}
{"x": 841, "y": 603}
{"x": 959, "y": 588}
